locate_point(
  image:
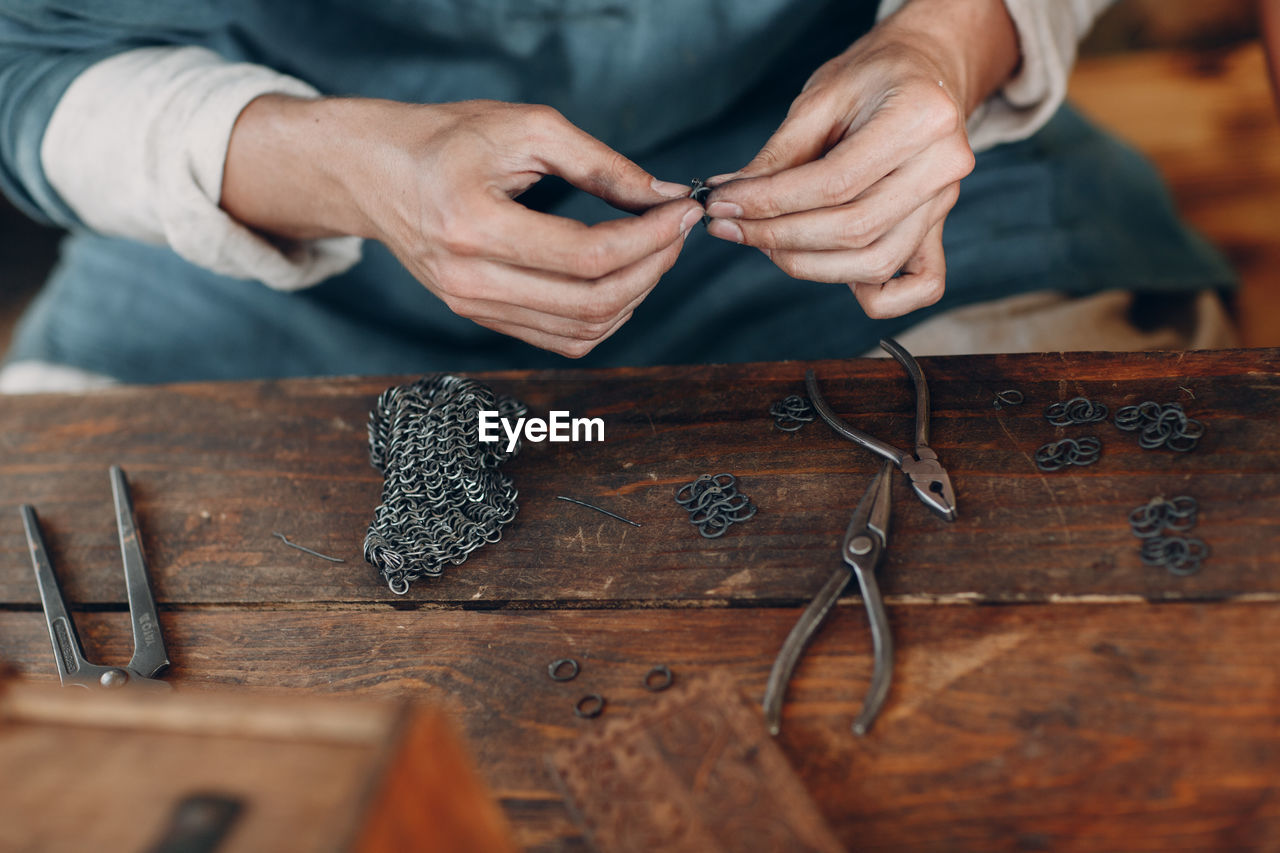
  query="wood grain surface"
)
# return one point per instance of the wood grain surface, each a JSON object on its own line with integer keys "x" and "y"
{"x": 1106, "y": 706}
{"x": 216, "y": 469}
{"x": 1052, "y": 727}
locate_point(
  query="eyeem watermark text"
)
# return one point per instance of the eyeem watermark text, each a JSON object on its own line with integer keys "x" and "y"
{"x": 558, "y": 427}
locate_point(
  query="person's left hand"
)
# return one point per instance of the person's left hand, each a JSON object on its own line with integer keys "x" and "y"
{"x": 856, "y": 183}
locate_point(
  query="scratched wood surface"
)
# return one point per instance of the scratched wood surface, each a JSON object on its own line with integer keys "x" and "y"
{"x": 216, "y": 468}
{"x": 1137, "y": 727}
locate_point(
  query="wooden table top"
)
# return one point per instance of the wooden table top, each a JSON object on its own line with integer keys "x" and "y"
{"x": 1104, "y": 704}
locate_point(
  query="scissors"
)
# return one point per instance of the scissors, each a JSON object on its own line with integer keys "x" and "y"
{"x": 149, "y": 655}
{"x": 862, "y": 550}
{"x": 928, "y": 478}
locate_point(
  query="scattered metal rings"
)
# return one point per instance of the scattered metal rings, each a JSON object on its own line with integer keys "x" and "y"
{"x": 1158, "y": 514}
{"x": 792, "y": 413}
{"x": 1011, "y": 397}
{"x": 553, "y": 669}
{"x": 589, "y": 706}
{"x": 1057, "y": 455}
{"x": 1074, "y": 412}
{"x": 664, "y": 673}
{"x": 714, "y": 503}
{"x": 1181, "y": 555}
{"x": 1160, "y": 426}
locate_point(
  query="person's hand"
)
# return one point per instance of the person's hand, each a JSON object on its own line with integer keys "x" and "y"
{"x": 437, "y": 184}
{"x": 855, "y": 184}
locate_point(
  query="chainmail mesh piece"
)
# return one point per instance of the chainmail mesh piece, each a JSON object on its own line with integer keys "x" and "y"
{"x": 442, "y": 493}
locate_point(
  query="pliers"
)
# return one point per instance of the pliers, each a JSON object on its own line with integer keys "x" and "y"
{"x": 863, "y": 548}
{"x": 928, "y": 478}
{"x": 149, "y": 654}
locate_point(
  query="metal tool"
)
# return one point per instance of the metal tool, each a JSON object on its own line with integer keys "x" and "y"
{"x": 928, "y": 478}
{"x": 149, "y": 655}
{"x": 862, "y": 550}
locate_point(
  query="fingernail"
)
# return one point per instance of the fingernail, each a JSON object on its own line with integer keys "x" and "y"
{"x": 670, "y": 190}
{"x": 721, "y": 179}
{"x": 725, "y": 230}
{"x": 689, "y": 219}
{"x": 724, "y": 210}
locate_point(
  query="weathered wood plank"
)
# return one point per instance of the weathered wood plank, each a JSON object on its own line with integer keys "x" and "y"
{"x": 217, "y": 467}
{"x": 1086, "y": 727}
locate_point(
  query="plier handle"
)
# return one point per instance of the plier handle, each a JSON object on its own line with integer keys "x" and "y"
{"x": 149, "y": 654}
{"x": 928, "y": 478}
{"x": 862, "y": 550}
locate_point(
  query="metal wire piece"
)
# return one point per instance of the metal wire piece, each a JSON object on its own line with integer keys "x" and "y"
{"x": 699, "y": 194}
{"x": 598, "y": 509}
{"x": 1011, "y": 397}
{"x": 1160, "y": 425}
{"x": 306, "y": 550}
{"x": 1074, "y": 412}
{"x": 714, "y": 503}
{"x": 1181, "y": 555}
{"x": 1057, "y": 455}
{"x": 792, "y": 413}
{"x": 1158, "y": 514}
{"x": 442, "y": 494}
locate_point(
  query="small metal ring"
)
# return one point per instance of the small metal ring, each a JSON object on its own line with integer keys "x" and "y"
{"x": 553, "y": 669}
{"x": 664, "y": 672}
{"x": 1010, "y": 397}
{"x": 399, "y": 586}
{"x": 589, "y": 706}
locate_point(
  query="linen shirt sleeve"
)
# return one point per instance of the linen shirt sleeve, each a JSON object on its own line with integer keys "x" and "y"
{"x": 136, "y": 148}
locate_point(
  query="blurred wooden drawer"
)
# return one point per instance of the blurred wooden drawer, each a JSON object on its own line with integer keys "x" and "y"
{"x": 111, "y": 771}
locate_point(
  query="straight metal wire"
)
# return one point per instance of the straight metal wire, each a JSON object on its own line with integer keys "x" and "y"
{"x": 598, "y": 509}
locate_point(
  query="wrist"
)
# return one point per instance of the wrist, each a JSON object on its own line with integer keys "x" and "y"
{"x": 291, "y": 168}
{"x": 974, "y": 42}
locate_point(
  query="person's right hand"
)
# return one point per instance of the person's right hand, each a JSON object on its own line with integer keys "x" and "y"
{"x": 437, "y": 184}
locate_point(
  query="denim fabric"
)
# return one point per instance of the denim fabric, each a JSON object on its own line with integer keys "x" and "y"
{"x": 688, "y": 89}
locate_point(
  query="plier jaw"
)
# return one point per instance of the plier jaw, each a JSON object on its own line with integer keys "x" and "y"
{"x": 930, "y": 482}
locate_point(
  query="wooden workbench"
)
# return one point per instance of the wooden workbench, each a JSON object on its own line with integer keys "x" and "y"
{"x": 1051, "y": 691}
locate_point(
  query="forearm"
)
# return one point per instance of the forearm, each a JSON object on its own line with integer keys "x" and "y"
{"x": 293, "y": 165}
{"x": 974, "y": 39}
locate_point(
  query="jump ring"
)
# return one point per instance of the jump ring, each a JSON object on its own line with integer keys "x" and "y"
{"x": 553, "y": 669}
{"x": 664, "y": 673}
{"x": 589, "y": 706}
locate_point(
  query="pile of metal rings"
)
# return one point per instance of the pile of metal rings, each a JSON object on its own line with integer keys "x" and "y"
{"x": 1075, "y": 412}
{"x": 1178, "y": 553}
{"x": 1057, "y": 455}
{"x": 1161, "y": 426}
{"x": 714, "y": 504}
{"x": 791, "y": 413}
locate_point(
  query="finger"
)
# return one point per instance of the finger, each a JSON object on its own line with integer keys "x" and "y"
{"x": 889, "y": 139}
{"x": 855, "y": 225}
{"x": 511, "y": 233}
{"x": 567, "y": 347}
{"x": 922, "y": 283}
{"x": 475, "y": 285}
{"x": 571, "y": 153}
{"x": 487, "y": 313}
{"x": 876, "y": 263}
{"x": 803, "y": 136}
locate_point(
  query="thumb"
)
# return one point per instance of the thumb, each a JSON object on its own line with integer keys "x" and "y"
{"x": 584, "y": 161}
